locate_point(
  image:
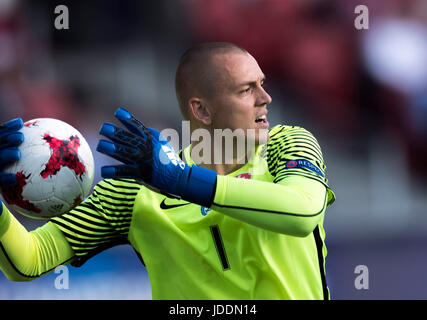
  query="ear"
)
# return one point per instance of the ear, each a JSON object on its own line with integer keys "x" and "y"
{"x": 200, "y": 111}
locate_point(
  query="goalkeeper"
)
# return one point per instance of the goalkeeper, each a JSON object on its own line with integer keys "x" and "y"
{"x": 250, "y": 228}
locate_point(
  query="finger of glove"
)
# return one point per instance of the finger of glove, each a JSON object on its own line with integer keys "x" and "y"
{"x": 8, "y": 156}
{"x": 156, "y": 135}
{"x": 7, "y": 179}
{"x": 120, "y": 171}
{"x": 119, "y": 135}
{"x": 10, "y": 126}
{"x": 13, "y": 139}
{"x": 120, "y": 152}
{"x": 131, "y": 123}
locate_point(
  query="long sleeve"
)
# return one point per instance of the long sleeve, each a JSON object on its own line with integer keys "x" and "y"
{"x": 294, "y": 206}
{"x": 25, "y": 256}
{"x": 100, "y": 222}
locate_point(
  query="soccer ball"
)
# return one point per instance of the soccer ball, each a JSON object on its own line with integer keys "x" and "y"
{"x": 55, "y": 172}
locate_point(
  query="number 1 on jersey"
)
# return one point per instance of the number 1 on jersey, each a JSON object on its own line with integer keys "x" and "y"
{"x": 220, "y": 247}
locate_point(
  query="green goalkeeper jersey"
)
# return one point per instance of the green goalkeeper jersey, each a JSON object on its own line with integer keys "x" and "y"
{"x": 259, "y": 239}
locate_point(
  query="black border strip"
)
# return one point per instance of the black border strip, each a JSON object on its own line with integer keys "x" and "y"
{"x": 275, "y": 211}
{"x": 319, "y": 246}
{"x": 220, "y": 247}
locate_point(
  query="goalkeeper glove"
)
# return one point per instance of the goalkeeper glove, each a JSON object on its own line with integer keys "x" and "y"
{"x": 149, "y": 157}
{"x": 10, "y": 139}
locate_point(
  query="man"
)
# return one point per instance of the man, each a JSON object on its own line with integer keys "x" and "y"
{"x": 201, "y": 233}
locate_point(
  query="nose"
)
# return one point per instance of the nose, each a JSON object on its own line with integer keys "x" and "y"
{"x": 263, "y": 98}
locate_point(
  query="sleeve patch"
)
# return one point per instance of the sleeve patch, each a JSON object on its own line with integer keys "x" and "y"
{"x": 303, "y": 163}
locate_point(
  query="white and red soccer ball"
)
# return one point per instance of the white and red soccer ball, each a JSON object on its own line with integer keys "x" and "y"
{"x": 55, "y": 172}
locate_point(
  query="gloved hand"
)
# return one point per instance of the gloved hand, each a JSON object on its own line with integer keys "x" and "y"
{"x": 149, "y": 157}
{"x": 10, "y": 139}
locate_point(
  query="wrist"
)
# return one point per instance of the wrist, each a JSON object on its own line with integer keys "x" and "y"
{"x": 200, "y": 186}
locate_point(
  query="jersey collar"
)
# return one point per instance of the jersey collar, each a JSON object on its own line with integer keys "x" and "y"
{"x": 246, "y": 168}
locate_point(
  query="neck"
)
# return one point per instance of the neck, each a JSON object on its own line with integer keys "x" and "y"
{"x": 220, "y": 160}
{"x": 222, "y": 151}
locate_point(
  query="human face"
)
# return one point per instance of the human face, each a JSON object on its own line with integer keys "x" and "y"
{"x": 240, "y": 100}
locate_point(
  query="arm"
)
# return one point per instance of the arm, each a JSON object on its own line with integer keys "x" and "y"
{"x": 294, "y": 206}
{"x": 100, "y": 222}
{"x": 25, "y": 256}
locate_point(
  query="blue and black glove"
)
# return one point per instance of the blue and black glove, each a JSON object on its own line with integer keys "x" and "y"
{"x": 149, "y": 157}
{"x": 10, "y": 139}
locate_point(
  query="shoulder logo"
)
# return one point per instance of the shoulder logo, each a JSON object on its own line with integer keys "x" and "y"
{"x": 165, "y": 206}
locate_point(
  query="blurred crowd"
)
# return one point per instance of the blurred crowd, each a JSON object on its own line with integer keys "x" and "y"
{"x": 352, "y": 83}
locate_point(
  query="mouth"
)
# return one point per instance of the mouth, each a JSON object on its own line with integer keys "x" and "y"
{"x": 262, "y": 121}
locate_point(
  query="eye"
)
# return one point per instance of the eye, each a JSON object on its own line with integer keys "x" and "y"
{"x": 246, "y": 90}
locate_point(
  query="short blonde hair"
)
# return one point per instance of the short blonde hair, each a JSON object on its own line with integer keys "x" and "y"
{"x": 195, "y": 75}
